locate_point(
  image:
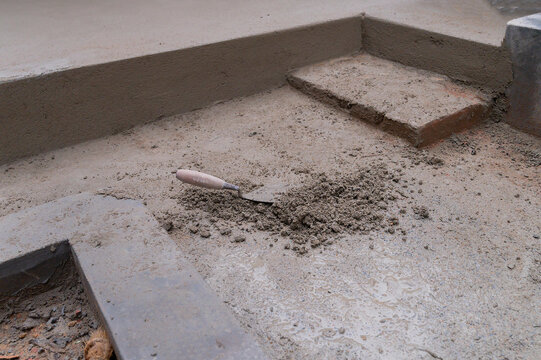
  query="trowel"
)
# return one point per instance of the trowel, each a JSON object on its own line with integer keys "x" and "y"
{"x": 265, "y": 194}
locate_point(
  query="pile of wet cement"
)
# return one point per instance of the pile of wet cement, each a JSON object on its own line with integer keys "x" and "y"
{"x": 311, "y": 215}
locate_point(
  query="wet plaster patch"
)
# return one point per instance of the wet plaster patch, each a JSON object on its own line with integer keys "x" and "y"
{"x": 152, "y": 301}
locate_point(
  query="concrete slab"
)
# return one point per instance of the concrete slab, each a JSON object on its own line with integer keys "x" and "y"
{"x": 152, "y": 301}
{"x": 523, "y": 38}
{"x": 454, "y": 287}
{"x": 39, "y": 37}
{"x": 420, "y": 106}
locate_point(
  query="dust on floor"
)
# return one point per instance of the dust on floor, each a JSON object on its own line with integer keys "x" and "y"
{"x": 452, "y": 272}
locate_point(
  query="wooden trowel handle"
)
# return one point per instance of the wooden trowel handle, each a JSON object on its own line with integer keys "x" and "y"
{"x": 203, "y": 180}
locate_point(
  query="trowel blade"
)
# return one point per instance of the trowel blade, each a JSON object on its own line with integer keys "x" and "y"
{"x": 266, "y": 194}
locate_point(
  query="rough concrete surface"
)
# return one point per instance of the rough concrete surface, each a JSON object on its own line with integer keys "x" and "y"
{"x": 459, "y": 277}
{"x": 523, "y": 38}
{"x": 113, "y": 68}
{"x": 39, "y": 37}
{"x": 483, "y": 64}
{"x": 152, "y": 301}
{"x": 63, "y": 108}
{"x": 420, "y": 106}
{"x": 516, "y": 6}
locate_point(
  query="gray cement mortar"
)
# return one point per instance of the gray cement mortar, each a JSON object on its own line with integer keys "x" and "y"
{"x": 462, "y": 282}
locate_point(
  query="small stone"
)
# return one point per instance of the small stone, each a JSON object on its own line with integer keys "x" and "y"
{"x": 341, "y": 330}
{"x": 421, "y": 212}
{"x": 28, "y": 324}
{"x": 225, "y": 231}
{"x": 193, "y": 229}
{"x": 34, "y": 315}
{"x": 204, "y": 233}
{"x": 77, "y": 314}
{"x": 168, "y": 226}
{"x": 239, "y": 238}
{"x": 62, "y": 341}
{"x": 314, "y": 242}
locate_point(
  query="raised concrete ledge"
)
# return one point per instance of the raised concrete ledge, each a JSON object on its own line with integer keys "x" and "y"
{"x": 42, "y": 113}
{"x": 478, "y": 63}
{"x": 152, "y": 301}
{"x": 523, "y": 38}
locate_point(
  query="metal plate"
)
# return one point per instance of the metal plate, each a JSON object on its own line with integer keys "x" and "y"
{"x": 266, "y": 194}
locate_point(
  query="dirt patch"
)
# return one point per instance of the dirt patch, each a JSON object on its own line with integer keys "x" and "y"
{"x": 312, "y": 215}
{"x": 51, "y": 325}
{"x": 521, "y": 148}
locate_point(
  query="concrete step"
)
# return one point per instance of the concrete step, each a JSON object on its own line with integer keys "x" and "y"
{"x": 418, "y": 105}
{"x": 152, "y": 301}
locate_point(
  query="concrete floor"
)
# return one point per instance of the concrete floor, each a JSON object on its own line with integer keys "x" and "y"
{"x": 463, "y": 284}
{"x": 45, "y": 36}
